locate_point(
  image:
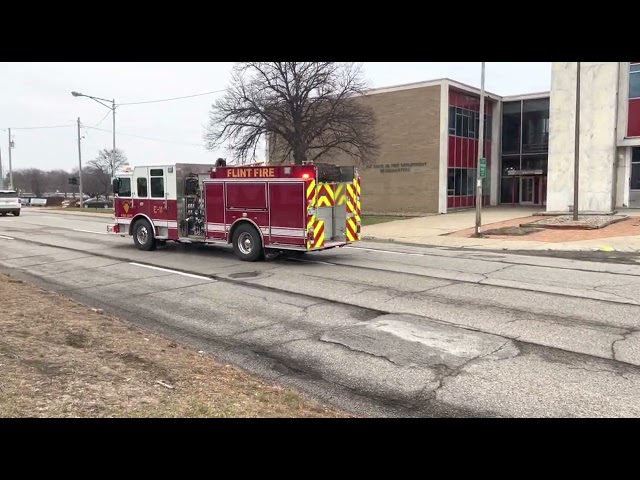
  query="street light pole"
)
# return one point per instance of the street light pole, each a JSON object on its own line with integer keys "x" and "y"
{"x": 113, "y": 152}
{"x": 576, "y": 168}
{"x": 111, "y": 107}
{"x": 10, "y": 168}
{"x": 480, "y": 155}
{"x": 80, "y": 165}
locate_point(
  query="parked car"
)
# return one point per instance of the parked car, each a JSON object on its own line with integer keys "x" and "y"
{"x": 96, "y": 203}
{"x": 72, "y": 202}
{"x": 9, "y": 202}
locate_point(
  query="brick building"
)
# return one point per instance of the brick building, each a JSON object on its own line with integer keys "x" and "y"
{"x": 428, "y": 136}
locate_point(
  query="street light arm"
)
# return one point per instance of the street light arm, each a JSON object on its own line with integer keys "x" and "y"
{"x": 97, "y": 99}
{"x": 110, "y": 107}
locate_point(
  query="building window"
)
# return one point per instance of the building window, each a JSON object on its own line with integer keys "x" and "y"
{"x": 465, "y": 123}
{"x": 452, "y": 120}
{"x": 511, "y": 127}
{"x": 634, "y": 81}
{"x": 535, "y": 126}
{"x": 461, "y": 182}
{"x": 635, "y": 168}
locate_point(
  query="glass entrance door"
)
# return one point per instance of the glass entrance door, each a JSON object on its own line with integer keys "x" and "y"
{"x": 527, "y": 194}
{"x": 634, "y": 181}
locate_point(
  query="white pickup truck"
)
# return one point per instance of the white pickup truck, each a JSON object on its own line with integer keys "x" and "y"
{"x": 9, "y": 202}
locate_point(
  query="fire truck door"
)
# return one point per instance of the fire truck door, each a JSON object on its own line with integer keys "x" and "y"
{"x": 161, "y": 208}
{"x": 139, "y": 202}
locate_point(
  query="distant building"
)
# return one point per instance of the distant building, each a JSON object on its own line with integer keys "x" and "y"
{"x": 428, "y": 133}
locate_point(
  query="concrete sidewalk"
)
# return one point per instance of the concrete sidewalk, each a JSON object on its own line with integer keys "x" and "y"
{"x": 454, "y": 229}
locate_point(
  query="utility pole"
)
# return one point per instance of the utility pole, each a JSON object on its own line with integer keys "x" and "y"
{"x": 10, "y": 168}
{"x": 80, "y": 165}
{"x": 576, "y": 168}
{"x": 481, "y": 167}
{"x": 1, "y": 172}
{"x": 113, "y": 153}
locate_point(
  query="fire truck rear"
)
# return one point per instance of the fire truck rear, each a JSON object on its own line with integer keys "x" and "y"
{"x": 258, "y": 209}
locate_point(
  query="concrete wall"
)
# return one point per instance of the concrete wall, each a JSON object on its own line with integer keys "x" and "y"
{"x": 496, "y": 153}
{"x": 598, "y": 152}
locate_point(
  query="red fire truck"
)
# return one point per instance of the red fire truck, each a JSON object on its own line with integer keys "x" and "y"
{"x": 258, "y": 209}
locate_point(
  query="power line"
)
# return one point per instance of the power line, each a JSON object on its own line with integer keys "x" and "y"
{"x": 103, "y": 118}
{"x": 148, "y": 138}
{"x": 172, "y": 99}
{"x": 38, "y": 128}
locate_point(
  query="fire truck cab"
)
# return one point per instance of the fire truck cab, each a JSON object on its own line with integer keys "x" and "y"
{"x": 257, "y": 208}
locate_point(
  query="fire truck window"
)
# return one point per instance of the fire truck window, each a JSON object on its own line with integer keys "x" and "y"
{"x": 157, "y": 187}
{"x": 142, "y": 187}
{"x": 124, "y": 187}
{"x": 156, "y": 172}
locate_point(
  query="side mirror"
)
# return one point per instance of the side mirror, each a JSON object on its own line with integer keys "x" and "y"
{"x": 116, "y": 186}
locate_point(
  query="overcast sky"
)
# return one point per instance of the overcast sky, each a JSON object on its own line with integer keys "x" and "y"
{"x": 39, "y": 94}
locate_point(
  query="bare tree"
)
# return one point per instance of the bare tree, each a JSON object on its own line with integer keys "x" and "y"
{"x": 102, "y": 162}
{"x": 100, "y": 167}
{"x": 307, "y": 110}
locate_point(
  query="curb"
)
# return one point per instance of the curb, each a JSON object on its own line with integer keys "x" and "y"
{"x": 605, "y": 248}
{"x": 73, "y": 214}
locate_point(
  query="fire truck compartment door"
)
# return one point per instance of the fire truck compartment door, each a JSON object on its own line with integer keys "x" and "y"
{"x": 340, "y": 223}
{"x": 326, "y": 214}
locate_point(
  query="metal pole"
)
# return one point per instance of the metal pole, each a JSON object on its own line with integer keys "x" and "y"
{"x": 10, "y": 168}
{"x": 113, "y": 153}
{"x": 80, "y": 165}
{"x": 576, "y": 168}
{"x": 1, "y": 172}
{"x": 480, "y": 155}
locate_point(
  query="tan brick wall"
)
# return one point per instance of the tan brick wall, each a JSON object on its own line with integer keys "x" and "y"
{"x": 405, "y": 176}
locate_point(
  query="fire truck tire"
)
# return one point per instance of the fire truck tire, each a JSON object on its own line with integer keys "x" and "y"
{"x": 143, "y": 235}
{"x": 16, "y": 213}
{"x": 247, "y": 244}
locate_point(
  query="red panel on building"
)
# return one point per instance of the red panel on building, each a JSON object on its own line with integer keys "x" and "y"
{"x": 633, "y": 128}
{"x": 465, "y": 152}
{"x": 458, "y": 152}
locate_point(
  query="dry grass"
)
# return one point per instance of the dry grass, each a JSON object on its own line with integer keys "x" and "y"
{"x": 61, "y": 359}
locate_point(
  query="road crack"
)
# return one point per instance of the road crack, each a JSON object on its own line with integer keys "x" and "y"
{"x": 454, "y": 372}
{"x": 357, "y": 350}
{"x": 625, "y": 337}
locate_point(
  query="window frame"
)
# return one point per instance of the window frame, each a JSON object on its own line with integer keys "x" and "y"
{"x": 634, "y": 73}
{"x": 145, "y": 186}
{"x": 153, "y": 176}
{"x": 120, "y": 179}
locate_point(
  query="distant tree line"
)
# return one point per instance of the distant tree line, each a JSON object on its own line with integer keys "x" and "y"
{"x": 96, "y": 177}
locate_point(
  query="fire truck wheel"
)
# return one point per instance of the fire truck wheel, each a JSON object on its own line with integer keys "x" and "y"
{"x": 247, "y": 244}
{"x": 143, "y": 235}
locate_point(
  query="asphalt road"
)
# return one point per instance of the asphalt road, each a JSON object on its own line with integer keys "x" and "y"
{"x": 377, "y": 329}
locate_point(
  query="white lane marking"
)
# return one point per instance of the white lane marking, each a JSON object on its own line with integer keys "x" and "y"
{"x": 7, "y": 238}
{"x": 172, "y": 271}
{"x": 89, "y": 231}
